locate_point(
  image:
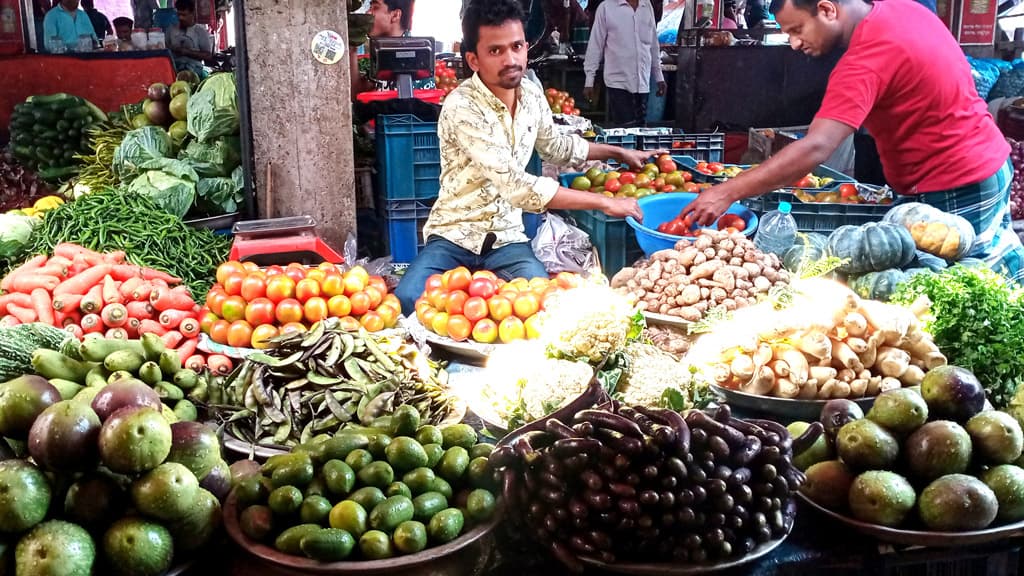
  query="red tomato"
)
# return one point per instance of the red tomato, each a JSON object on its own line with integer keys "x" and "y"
{"x": 259, "y": 311}
{"x": 288, "y": 310}
{"x": 372, "y": 321}
{"x": 275, "y": 269}
{"x": 482, "y": 287}
{"x": 233, "y": 308}
{"x": 332, "y": 285}
{"x": 804, "y": 182}
{"x": 375, "y": 296}
{"x": 307, "y": 288}
{"x": 219, "y": 331}
{"x": 566, "y": 280}
{"x": 438, "y": 298}
{"x": 455, "y": 301}
{"x": 691, "y": 187}
{"x": 612, "y": 185}
{"x": 626, "y": 178}
{"x": 475, "y": 309}
{"x": 379, "y": 283}
{"x": 847, "y": 190}
{"x": 485, "y": 274}
{"x": 388, "y": 313}
{"x": 360, "y": 303}
{"x": 261, "y": 334}
{"x": 459, "y": 327}
{"x": 240, "y": 334}
{"x": 668, "y": 188}
{"x": 687, "y": 176}
{"x": 206, "y": 322}
{"x": 349, "y": 324}
{"x": 280, "y": 287}
{"x": 433, "y": 281}
{"x": 315, "y": 309}
{"x": 254, "y": 286}
{"x": 250, "y": 266}
{"x": 459, "y": 279}
{"x": 715, "y": 167}
{"x": 732, "y": 221}
{"x": 293, "y": 327}
{"x": 499, "y": 307}
{"x": 526, "y": 305}
{"x": 339, "y": 306}
{"x": 485, "y": 331}
{"x": 215, "y": 300}
{"x": 227, "y": 269}
{"x": 295, "y": 272}
{"x": 233, "y": 284}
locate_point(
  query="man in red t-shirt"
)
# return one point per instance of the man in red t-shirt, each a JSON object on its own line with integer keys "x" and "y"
{"x": 914, "y": 93}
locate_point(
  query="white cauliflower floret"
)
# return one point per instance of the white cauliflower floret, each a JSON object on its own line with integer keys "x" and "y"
{"x": 650, "y": 372}
{"x": 539, "y": 388}
{"x": 587, "y": 323}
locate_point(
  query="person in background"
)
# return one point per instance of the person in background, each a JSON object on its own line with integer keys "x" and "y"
{"x": 915, "y": 94}
{"x": 100, "y": 23}
{"x": 488, "y": 129}
{"x": 756, "y": 14}
{"x": 729, "y": 16}
{"x": 67, "y": 21}
{"x": 391, "y": 19}
{"x": 625, "y": 38}
{"x": 123, "y": 28}
{"x": 143, "y": 11}
{"x": 189, "y": 42}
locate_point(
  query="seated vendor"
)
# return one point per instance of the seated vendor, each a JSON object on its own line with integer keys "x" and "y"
{"x": 488, "y": 129}
{"x": 123, "y": 28}
{"x": 67, "y": 22}
{"x": 189, "y": 42}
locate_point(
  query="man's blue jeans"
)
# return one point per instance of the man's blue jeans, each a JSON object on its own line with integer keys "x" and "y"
{"x": 508, "y": 262}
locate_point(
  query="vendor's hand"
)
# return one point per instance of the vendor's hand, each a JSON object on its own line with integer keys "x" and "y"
{"x": 622, "y": 207}
{"x": 662, "y": 88}
{"x": 636, "y": 159}
{"x": 709, "y": 205}
{"x": 588, "y": 93}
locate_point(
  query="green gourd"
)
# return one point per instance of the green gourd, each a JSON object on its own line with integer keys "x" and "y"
{"x": 872, "y": 247}
{"x": 808, "y": 247}
{"x": 878, "y": 285}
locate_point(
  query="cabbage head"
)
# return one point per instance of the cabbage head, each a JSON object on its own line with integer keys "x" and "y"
{"x": 213, "y": 110}
{"x": 15, "y": 234}
{"x": 172, "y": 194}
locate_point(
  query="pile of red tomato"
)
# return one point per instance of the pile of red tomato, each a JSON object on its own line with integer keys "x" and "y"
{"x": 710, "y": 168}
{"x": 249, "y": 305}
{"x": 683, "y": 226}
{"x": 462, "y": 305}
{"x": 444, "y": 77}
{"x": 561, "y": 103}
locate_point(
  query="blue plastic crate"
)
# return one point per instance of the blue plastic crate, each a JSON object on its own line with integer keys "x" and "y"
{"x": 405, "y": 227}
{"x": 409, "y": 158}
{"x": 614, "y": 239}
{"x": 627, "y": 141}
{"x": 706, "y": 147}
{"x": 821, "y": 217}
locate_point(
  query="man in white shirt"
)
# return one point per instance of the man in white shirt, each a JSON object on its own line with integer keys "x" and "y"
{"x": 625, "y": 37}
{"x": 189, "y": 42}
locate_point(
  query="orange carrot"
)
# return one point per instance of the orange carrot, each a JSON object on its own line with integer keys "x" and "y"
{"x": 195, "y": 362}
{"x": 69, "y": 250}
{"x": 219, "y": 364}
{"x": 170, "y": 319}
{"x": 75, "y": 330}
{"x": 14, "y": 298}
{"x": 83, "y": 281}
{"x": 187, "y": 347}
{"x": 91, "y": 323}
{"x": 128, "y": 286}
{"x": 34, "y": 263}
{"x": 189, "y": 326}
{"x": 54, "y": 269}
{"x": 60, "y": 260}
{"x": 111, "y": 295}
{"x": 67, "y": 302}
{"x": 8, "y": 321}
{"x": 151, "y": 274}
{"x": 142, "y": 291}
{"x": 116, "y": 334}
{"x": 28, "y": 282}
{"x": 132, "y": 327}
{"x": 78, "y": 265}
{"x": 114, "y": 315}
{"x": 140, "y": 310}
{"x": 43, "y": 306}
{"x": 174, "y": 298}
{"x": 123, "y": 272}
{"x": 115, "y": 257}
{"x": 24, "y": 315}
{"x": 92, "y": 302}
{"x": 172, "y": 338}
{"x": 148, "y": 326}
{"x": 63, "y": 320}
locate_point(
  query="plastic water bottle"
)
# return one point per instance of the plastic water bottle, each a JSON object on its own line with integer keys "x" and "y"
{"x": 777, "y": 231}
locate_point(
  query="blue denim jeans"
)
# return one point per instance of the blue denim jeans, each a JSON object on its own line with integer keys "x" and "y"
{"x": 508, "y": 262}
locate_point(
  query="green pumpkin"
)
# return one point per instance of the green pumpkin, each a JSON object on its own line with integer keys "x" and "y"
{"x": 872, "y": 247}
{"x": 809, "y": 247}
{"x": 936, "y": 232}
{"x": 928, "y": 261}
{"x": 878, "y": 285}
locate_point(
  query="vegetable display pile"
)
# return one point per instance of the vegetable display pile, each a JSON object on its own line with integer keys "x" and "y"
{"x": 828, "y": 343}
{"x": 115, "y": 485}
{"x": 248, "y": 306}
{"x": 85, "y": 292}
{"x": 715, "y": 269}
{"x": 618, "y": 483}
{"x": 934, "y": 459}
{"x": 371, "y": 494}
{"x": 19, "y": 186}
{"x": 110, "y": 221}
{"x": 319, "y": 381}
{"x": 17, "y": 343}
{"x": 978, "y": 323}
{"x": 48, "y": 131}
{"x": 1017, "y": 187}
{"x": 662, "y": 175}
{"x": 462, "y": 305}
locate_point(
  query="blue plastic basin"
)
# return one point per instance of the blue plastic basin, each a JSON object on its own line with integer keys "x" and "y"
{"x": 659, "y": 208}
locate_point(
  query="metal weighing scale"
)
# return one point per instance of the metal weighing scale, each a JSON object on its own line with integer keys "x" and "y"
{"x": 403, "y": 61}
{"x": 281, "y": 241}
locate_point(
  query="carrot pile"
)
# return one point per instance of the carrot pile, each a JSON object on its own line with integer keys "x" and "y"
{"x": 87, "y": 292}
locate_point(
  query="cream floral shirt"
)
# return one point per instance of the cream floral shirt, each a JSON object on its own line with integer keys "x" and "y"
{"x": 484, "y": 153}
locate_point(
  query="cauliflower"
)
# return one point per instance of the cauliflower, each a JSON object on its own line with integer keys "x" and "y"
{"x": 542, "y": 387}
{"x": 651, "y": 371}
{"x": 588, "y": 323}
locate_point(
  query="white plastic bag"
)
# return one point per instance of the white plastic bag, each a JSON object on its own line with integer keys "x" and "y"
{"x": 562, "y": 247}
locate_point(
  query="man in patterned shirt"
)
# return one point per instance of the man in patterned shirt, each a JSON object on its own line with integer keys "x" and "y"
{"x": 488, "y": 129}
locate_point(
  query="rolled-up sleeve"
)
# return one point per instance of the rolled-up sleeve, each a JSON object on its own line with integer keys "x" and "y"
{"x": 493, "y": 157}
{"x": 560, "y": 149}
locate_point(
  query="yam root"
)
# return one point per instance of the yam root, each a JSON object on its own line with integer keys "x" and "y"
{"x": 622, "y": 277}
{"x": 892, "y": 361}
{"x": 809, "y": 390}
{"x": 858, "y": 387}
{"x": 742, "y": 367}
{"x": 912, "y": 376}
{"x": 858, "y": 345}
{"x": 798, "y": 367}
{"x": 889, "y": 383}
{"x": 707, "y": 269}
{"x": 874, "y": 386}
{"x": 846, "y": 375}
{"x": 780, "y": 368}
{"x": 855, "y": 324}
{"x": 841, "y": 390}
{"x": 822, "y": 373}
{"x": 815, "y": 344}
{"x": 785, "y": 388}
{"x": 844, "y": 357}
{"x": 762, "y": 383}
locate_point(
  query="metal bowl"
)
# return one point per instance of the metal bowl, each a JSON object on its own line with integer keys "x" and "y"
{"x": 458, "y": 557}
{"x": 791, "y": 409}
{"x": 923, "y": 537}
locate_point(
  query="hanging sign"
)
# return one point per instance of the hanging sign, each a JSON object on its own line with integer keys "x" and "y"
{"x": 945, "y": 11}
{"x": 977, "y": 22}
{"x": 328, "y": 47}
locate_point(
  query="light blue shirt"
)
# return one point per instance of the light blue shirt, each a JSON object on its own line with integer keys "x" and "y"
{"x": 60, "y": 22}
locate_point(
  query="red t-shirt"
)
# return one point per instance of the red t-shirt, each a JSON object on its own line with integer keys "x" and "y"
{"x": 906, "y": 80}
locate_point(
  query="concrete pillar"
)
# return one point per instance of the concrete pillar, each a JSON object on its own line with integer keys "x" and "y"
{"x": 301, "y": 114}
